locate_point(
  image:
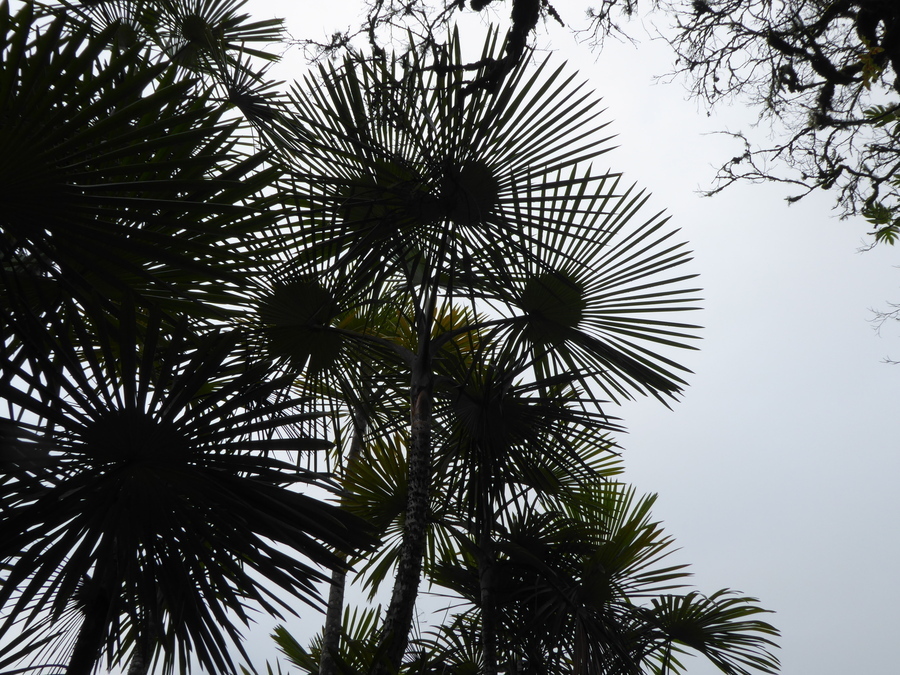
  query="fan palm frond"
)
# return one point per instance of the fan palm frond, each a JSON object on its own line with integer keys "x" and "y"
{"x": 116, "y": 175}
{"x": 409, "y": 163}
{"x": 601, "y": 298}
{"x": 569, "y": 587}
{"x": 404, "y": 159}
{"x": 162, "y": 482}
{"x": 357, "y": 645}
{"x": 193, "y": 31}
{"x": 725, "y": 627}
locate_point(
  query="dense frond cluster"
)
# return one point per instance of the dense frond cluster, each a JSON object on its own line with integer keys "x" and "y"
{"x": 414, "y": 278}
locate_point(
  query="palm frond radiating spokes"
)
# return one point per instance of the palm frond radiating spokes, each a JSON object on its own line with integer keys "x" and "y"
{"x": 116, "y": 175}
{"x": 587, "y": 590}
{"x": 439, "y": 165}
{"x": 165, "y": 477}
{"x": 409, "y": 162}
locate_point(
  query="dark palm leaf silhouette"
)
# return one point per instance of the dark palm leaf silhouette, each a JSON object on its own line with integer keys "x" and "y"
{"x": 151, "y": 483}
{"x": 116, "y": 175}
{"x": 440, "y": 245}
{"x": 486, "y": 195}
{"x": 586, "y": 590}
{"x": 431, "y": 192}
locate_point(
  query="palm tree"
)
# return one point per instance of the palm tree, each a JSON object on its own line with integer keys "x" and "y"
{"x": 148, "y": 467}
{"x": 505, "y": 438}
{"x": 160, "y": 480}
{"x": 553, "y": 559}
{"x": 580, "y": 585}
{"x": 584, "y": 589}
{"x": 422, "y": 251}
{"x": 434, "y": 192}
{"x": 118, "y": 174}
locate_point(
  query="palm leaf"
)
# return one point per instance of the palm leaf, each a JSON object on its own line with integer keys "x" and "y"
{"x": 403, "y": 159}
{"x": 114, "y": 177}
{"x": 408, "y": 162}
{"x": 724, "y": 627}
{"x": 356, "y": 651}
{"x": 164, "y": 479}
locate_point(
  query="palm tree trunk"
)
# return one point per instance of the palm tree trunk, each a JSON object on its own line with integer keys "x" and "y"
{"x": 92, "y": 634}
{"x": 487, "y": 557}
{"x": 140, "y": 663}
{"x": 331, "y": 638}
{"x": 486, "y": 580}
{"x": 399, "y": 617}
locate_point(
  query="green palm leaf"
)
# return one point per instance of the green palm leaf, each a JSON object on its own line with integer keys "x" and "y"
{"x": 569, "y": 588}
{"x": 356, "y": 652}
{"x": 500, "y": 435}
{"x": 403, "y": 158}
{"x": 724, "y": 627}
{"x": 189, "y": 32}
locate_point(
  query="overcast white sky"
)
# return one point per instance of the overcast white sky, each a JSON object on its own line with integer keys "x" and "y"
{"x": 777, "y": 472}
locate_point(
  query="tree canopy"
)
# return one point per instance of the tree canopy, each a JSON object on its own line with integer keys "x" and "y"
{"x": 376, "y": 326}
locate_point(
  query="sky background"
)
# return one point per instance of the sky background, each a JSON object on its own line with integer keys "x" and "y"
{"x": 777, "y": 471}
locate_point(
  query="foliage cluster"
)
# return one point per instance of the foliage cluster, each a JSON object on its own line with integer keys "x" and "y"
{"x": 371, "y": 327}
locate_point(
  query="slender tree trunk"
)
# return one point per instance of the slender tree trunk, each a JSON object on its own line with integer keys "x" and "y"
{"x": 398, "y": 621}
{"x": 331, "y": 638}
{"x": 140, "y": 662}
{"x": 487, "y": 557}
{"x": 89, "y": 642}
{"x": 487, "y": 583}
